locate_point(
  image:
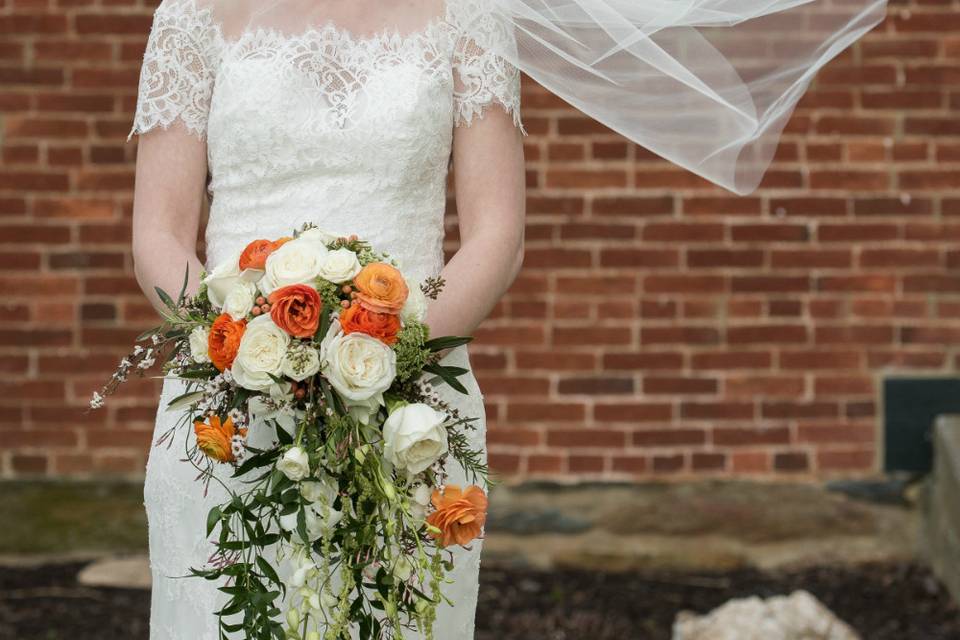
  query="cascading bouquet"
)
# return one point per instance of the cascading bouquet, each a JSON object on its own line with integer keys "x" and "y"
{"x": 315, "y": 346}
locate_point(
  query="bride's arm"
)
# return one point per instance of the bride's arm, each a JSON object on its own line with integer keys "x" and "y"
{"x": 167, "y": 204}
{"x": 489, "y": 179}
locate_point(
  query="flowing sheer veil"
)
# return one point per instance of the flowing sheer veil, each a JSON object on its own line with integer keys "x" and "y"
{"x": 706, "y": 84}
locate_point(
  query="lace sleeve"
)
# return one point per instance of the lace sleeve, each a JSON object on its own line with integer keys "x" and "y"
{"x": 481, "y": 75}
{"x": 176, "y": 79}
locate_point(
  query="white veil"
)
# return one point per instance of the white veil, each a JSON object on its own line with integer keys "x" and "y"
{"x": 706, "y": 84}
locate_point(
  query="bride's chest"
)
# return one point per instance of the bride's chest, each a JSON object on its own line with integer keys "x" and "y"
{"x": 325, "y": 94}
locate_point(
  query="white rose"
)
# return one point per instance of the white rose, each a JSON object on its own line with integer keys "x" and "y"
{"x": 224, "y": 276}
{"x": 340, "y": 265}
{"x": 295, "y": 464}
{"x": 415, "y": 308}
{"x": 414, "y": 437}
{"x": 315, "y": 234}
{"x": 239, "y": 300}
{"x": 296, "y": 262}
{"x": 199, "y": 344}
{"x": 301, "y": 362}
{"x": 358, "y": 366}
{"x": 262, "y": 351}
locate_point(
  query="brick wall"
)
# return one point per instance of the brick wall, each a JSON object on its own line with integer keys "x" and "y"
{"x": 660, "y": 326}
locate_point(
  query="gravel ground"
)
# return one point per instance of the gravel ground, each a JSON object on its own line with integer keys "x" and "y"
{"x": 882, "y": 601}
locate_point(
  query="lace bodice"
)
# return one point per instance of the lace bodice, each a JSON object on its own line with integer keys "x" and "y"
{"x": 351, "y": 133}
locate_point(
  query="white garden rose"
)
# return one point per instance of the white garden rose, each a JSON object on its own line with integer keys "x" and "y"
{"x": 295, "y": 262}
{"x": 415, "y": 308}
{"x": 199, "y": 344}
{"x": 414, "y": 437}
{"x": 240, "y": 299}
{"x": 295, "y": 464}
{"x": 301, "y": 361}
{"x": 341, "y": 265}
{"x": 358, "y": 366}
{"x": 316, "y": 234}
{"x": 261, "y": 354}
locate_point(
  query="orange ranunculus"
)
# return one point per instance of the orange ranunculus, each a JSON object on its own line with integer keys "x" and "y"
{"x": 459, "y": 514}
{"x": 381, "y": 288}
{"x": 383, "y": 326}
{"x": 296, "y": 309}
{"x": 215, "y": 438}
{"x": 224, "y": 340}
{"x": 255, "y": 255}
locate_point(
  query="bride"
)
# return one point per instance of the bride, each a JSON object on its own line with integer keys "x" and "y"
{"x": 342, "y": 113}
{"x": 347, "y": 114}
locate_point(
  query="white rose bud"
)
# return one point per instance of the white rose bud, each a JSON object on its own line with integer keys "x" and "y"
{"x": 261, "y": 354}
{"x": 358, "y": 366}
{"x": 199, "y": 344}
{"x": 295, "y": 262}
{"x": 239, "y": 300}
{"x": 295, "y": 464}
{"x": 415, "y": 308}
{"x": 414, "y": 437}
{"x": 340, "y": 265}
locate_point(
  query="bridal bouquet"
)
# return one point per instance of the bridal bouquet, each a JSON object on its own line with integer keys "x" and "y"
{"x": 310, "y": 386}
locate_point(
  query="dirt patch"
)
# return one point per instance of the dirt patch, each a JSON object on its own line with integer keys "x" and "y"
{"x": 883, "y": 601}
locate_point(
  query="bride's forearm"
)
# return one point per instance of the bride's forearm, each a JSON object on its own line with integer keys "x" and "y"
{"x": 161, "y": 261}
{"x": 476, "y": 277}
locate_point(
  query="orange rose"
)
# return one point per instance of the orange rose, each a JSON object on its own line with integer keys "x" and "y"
{"x": 296, "y": 309}
{"x": 383, "y": 326}
{"x": 459, "y": 515}
{"x": 215, "y": 438}
{"x": 224, "y": 340}
{"x": 381, "y": 288}
{"x": 255, "y": 255}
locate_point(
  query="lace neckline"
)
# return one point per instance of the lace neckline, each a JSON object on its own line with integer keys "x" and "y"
{"x": 330, "y": 30}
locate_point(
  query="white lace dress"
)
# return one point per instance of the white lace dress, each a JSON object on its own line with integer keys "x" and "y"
{"x": 351, "y": 133}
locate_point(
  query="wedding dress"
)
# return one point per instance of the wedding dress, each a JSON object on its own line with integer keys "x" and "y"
{"x": 352, "y": 133}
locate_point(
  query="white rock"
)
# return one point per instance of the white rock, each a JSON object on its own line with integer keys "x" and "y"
{"x": 799, "y": 616}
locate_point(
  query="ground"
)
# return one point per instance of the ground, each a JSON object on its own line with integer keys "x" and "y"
{"x": 883, "y": 601}
{"x": 590, "y": 562}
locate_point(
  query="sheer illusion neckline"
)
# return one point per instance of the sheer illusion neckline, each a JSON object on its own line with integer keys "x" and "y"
{"x": 330, "y": 29}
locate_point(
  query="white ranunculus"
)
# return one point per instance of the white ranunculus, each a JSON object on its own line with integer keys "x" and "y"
{"x": 358, "y": 366}
{"x": 414, "y": 437}
{"x": 224, "y": 276}
{"x": 239, "y": 300}
{"x": 295, "y": 464}
{"x": 200, "y": 345}
{"x": 301, "y": 361}
{"x": 341, "y": 265}
{"x": 262, "y": 351}
{"x": 295, "y": 262}
{"x": 415, "y": 308}
{"x": 315, "y": 234}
